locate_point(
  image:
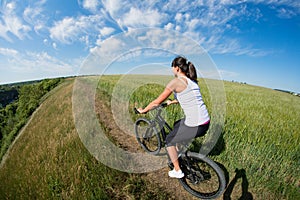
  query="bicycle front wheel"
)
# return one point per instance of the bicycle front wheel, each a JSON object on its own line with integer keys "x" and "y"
{"x": 147, "y": 136}
{"x": 203, "y": 177}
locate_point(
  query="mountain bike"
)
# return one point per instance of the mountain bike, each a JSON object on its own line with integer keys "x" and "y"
{"x": 203, "y": 177}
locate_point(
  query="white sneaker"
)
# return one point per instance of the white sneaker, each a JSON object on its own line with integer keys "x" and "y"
{"x": 176, "y": 174}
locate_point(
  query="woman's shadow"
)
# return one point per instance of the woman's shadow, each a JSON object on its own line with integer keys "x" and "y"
{"x": 246, "y": 195}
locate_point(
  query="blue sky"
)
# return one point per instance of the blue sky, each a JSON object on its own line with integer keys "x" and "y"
{"x": 255, "y": 41}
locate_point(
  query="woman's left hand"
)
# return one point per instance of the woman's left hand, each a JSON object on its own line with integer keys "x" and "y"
{"x": 141, "y": 110}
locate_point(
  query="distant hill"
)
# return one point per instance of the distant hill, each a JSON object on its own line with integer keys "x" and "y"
{"x": 289, "y": 92}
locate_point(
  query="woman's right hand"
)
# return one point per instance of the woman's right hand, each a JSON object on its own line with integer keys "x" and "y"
{"x": 169, "y": 102}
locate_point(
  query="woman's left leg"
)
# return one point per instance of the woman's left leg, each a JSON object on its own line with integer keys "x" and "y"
{"x": 174, "y": 157}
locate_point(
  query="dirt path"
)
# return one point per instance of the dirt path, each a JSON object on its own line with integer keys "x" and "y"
{"x": 159, "y": 177}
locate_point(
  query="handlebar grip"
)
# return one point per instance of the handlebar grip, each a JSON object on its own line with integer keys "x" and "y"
{"x": 136, "y": 111}
{"x": 164, "y": 105}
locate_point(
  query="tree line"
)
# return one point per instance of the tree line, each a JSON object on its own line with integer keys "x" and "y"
{"x": 15, "y": 114}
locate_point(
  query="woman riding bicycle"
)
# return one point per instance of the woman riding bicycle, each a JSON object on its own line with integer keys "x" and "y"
{"x": 187, "y": 94}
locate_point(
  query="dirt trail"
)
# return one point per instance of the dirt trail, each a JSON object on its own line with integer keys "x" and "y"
{"x": 159, "y": 177}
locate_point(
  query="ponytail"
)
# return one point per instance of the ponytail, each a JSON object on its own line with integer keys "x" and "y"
{"x": 186, "y": 67}
{"x": 192, "y": 74}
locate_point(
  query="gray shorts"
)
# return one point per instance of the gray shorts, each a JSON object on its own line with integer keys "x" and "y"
{"x": 183, "y": 133}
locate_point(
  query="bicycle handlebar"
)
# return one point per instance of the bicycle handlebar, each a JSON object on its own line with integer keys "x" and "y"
{"x": 162, "y": 105}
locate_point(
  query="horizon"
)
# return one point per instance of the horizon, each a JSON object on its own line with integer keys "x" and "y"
{"x": 76, "y": 76}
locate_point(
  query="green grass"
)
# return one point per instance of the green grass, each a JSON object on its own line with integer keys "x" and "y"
{"x": 49, "y": 161}
{"x": 260, "y": 135}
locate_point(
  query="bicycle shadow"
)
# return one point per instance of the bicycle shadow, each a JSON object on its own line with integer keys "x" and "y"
{"x": 218, "y": 148}
{"x": 246, "y": 195}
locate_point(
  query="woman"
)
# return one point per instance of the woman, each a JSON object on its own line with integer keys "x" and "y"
{"x": 187, "y": 93}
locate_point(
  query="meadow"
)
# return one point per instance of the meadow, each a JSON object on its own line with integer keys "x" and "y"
{"x": 49, "y": 161}
{"x": 260, "y": 136}
{"x": 258, "y": 148}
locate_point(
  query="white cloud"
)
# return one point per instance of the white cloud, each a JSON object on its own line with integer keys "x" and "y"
{"x": 30, "y": 14}
{"x": 142, "y": 18}
{"x": 291, "y": 4}
{"x": 221, "y": 45}
{"x": 106, "y": 31}
{"x": 10, "y": 7}
{"x": 192, "y": 24}
{"x": 178, "y": 28}
{"x": 11, "y": 23}
{"x": 114, "y": 48}
{"x": 40, "y": 62}
{"x": 71, "y": 29}
{"x": 21, "y": 66}
{"x": 35, "y": 16}
{"x": 44, "y": 61}
{"x": 169, "y": 26}
{"x": 286, "y": 13}
{"x": 134, "y": 14}
{"x": 8, "y": 52}
{"x": 113, "y": 6}
{"x": 91, "y": 5}
{"x": 177, "y": 6}
{"x": 3, "y": 33}
{"x": 178, "y": 17}
{"x": 135, "y": 41}
{"x": 54, "y": 45}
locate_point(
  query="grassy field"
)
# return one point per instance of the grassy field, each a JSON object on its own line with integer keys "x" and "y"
{"x": 260, "y": 137}
{"x": 48, "y": 161}
{"x": 259, "y": 147}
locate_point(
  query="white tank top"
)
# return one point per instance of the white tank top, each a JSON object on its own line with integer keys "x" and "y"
{"x": 192, "y": 104}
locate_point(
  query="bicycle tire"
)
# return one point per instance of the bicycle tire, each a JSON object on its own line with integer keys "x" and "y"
{"x": 203, "y": 177}
{"x": 147, "y": 136}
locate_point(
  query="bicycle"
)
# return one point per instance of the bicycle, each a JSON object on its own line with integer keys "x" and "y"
{"x": 203, "y": 177}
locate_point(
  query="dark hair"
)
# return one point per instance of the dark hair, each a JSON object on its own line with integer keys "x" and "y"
{"x": 186, "y": 67}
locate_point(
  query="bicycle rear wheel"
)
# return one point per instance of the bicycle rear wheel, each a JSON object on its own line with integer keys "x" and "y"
{"x": 147, "y": 136}
{"x": 203, "y": 177}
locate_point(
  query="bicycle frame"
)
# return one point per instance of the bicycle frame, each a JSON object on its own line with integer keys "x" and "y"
{"x": 162, "y": 125}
